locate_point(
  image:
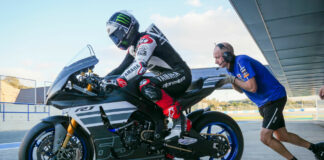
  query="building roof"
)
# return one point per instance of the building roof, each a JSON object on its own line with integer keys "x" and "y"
{"x": 290, "y": 35}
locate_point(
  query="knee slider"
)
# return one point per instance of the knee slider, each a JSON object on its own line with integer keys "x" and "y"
{"x": 149, "y": 90}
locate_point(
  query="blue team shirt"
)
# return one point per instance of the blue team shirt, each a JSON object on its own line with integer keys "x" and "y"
{"x": 269, "y": 89}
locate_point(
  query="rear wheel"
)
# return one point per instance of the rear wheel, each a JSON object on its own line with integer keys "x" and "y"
{"x": 219, "y": 123}
{"x": 38, "y": 144}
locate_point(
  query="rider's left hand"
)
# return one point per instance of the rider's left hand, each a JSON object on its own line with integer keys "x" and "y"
{"x": 115, "y": 83}
{"x": 121, "y": 82}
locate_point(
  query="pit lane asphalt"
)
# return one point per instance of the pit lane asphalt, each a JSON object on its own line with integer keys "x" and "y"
{"x": 312, "y": 131}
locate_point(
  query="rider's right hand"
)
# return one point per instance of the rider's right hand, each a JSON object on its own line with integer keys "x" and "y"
{"x": 108, "y": 84}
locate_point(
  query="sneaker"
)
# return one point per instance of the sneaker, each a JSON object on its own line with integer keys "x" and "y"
{"x": 319, "y": 150}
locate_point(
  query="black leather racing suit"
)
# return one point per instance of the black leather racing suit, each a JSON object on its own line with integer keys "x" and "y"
{"x": 153, "y": 52}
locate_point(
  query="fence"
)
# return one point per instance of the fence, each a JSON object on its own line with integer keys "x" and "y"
{"x": 22, "y": 90}
{"x": 18, "y": 108}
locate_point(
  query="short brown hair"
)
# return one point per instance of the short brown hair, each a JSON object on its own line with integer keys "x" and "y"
{"x": 228, "y": 47}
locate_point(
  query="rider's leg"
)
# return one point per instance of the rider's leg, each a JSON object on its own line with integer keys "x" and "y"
{"x": 169, "y": 107}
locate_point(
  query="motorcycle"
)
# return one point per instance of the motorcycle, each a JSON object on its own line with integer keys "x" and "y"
{"x": 118, "y": 123}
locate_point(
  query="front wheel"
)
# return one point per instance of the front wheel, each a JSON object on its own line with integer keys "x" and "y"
{"x": 219, "y": 123}
{"x": 38, "y": 145}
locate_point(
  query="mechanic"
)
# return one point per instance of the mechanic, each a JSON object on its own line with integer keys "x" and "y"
{"x": 321, "y": 93}
{"x": 260, "y": 86}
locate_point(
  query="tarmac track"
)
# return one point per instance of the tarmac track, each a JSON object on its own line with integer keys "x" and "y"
{"x": 312, "y": 131}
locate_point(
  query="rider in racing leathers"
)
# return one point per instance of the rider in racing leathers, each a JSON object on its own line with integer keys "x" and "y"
{"x": 152, "y": 51}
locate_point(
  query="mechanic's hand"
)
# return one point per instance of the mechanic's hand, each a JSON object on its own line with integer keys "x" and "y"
{"x": 227, "y": 79}
{"x": 321, "y": 93}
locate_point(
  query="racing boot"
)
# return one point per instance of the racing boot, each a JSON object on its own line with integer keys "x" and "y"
{"x": 161, "y": 130}
{"x": 318, "y": 150}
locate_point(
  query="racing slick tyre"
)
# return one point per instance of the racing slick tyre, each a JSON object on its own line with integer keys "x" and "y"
{"x": 38, "y": 144}
{"x": 218, "y": 123}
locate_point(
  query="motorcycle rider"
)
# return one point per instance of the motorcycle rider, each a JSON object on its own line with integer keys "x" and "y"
{"x": 149, "y": 50}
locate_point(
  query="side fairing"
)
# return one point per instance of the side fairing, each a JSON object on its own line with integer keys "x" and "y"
{"x": 89, "y": 115}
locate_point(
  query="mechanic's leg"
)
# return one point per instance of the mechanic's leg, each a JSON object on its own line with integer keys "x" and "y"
{"x": 268, "y": 139}
{"x": 283, "y": 135}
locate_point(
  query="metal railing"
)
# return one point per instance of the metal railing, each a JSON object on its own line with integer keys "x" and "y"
{"x": 12, "y": 108}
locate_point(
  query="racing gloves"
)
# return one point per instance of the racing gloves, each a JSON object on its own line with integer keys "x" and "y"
{"x": 113, "y": 83}
{"x": 226, "y": 80}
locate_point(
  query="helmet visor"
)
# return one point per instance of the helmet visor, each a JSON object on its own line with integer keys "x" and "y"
{"x": 116, "y": 32}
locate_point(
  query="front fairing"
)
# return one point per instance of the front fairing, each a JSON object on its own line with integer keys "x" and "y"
{"x": 84, "y": 60}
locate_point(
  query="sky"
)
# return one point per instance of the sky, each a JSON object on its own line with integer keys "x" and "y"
{"x": 38, "y": 38}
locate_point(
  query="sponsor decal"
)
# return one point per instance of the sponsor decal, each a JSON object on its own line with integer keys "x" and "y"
{"x": 87, "y": 108}
{"x": 239, "y": 77}
{"x": 174, "y": 82}
{"x": 123, "y": 19}
{"x": 244, "y": 72}
{"x": 167, "y": 76}
{"x": 142, "y": 50}
{"x": 132, "y": 69}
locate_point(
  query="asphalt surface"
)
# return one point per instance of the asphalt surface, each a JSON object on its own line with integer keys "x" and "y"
{"x": 312, "y": 131}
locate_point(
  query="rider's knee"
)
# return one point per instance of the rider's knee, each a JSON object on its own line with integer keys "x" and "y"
{"x": 149, "y": 90}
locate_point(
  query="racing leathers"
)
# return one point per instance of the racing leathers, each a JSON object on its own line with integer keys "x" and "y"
{"x": 171, "y": 77}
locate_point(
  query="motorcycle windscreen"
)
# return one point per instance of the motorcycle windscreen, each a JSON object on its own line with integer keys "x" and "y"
{"x": 67, "y": 71}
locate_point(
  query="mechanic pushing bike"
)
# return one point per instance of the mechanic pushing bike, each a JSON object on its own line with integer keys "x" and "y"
{"x": 251, "y": 77}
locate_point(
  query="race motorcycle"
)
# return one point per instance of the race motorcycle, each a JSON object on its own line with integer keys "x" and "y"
{"x": 104, "y": 122}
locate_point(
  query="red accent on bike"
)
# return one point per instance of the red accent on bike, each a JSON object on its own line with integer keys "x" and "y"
{"x": 147, "y": 82}
{"x": 169, "y": 156}
{"x": 189, "y": 125}
{"x": 121, "y": 82}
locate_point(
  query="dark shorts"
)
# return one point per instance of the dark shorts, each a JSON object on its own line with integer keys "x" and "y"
{"x": 272, "y": 114}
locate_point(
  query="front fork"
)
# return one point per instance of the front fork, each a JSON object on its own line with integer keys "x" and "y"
{"x": 71, "y": 128}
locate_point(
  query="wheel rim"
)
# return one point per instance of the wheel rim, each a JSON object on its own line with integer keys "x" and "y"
{"x": 46, "y": 136}
{"x": 224, "y": 129}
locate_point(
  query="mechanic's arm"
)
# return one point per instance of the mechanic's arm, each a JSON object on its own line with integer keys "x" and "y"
{"x": 237, "y": 88}
{"x": 249, "y": 85}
